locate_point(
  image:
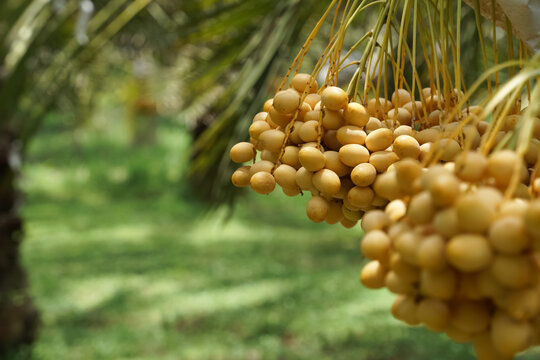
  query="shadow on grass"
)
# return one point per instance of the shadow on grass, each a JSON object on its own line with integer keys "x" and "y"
{"x": 299, "y": 292}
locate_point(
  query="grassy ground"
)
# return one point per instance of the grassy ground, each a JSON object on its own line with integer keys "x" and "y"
{"x": 124, "y": 264}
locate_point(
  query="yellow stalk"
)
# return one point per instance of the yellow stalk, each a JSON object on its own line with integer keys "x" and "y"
{"x": 510, "y": 40}
{"x": 434, "y": 55}
{"x": 525, "y": 136}
{"x": 458, "y": 48}
{"x": 400, "y": 52}
{"x": 495, "y": 57}
{"x": 305, "y": 47}
{"x": 481, "y": 39}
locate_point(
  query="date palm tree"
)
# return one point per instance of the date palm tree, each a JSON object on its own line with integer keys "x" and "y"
{"x": 41, "y": 44}
{"x": 44, "y": 42}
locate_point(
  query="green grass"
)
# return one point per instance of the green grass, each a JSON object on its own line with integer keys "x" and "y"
{"x": 125, "y": 264}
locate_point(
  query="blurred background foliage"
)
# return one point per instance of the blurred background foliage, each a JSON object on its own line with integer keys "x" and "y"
{"x": 124, "y": 111}
{"x": 203, "y": 62}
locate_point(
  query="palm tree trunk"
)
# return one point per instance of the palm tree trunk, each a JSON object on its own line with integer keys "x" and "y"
{"x": 18, "y": 317}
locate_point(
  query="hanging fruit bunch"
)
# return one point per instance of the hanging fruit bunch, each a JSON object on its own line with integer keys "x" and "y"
{"x": 322, "y": 141}
{"x": 460, "y": 256}
{"x": 447, "y": 192}
{"x": 460, "y": 242}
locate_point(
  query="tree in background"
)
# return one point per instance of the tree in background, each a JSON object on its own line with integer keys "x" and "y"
{"x": 48, "y": 52}
{"x": 42, "y": 45}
